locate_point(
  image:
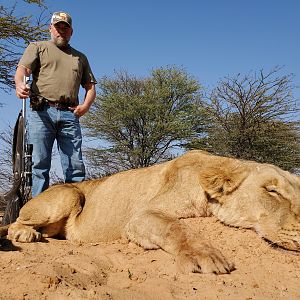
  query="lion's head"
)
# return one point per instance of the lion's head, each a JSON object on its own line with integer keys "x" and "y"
{"x": 258, "y": 196}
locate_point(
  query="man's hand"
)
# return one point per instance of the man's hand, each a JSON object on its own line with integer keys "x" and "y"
{"x": 22, "y": 90}
{"x": 80, "y": 109}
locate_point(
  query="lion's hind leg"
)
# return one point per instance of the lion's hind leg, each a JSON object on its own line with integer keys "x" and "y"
{"x": 155, "y": 229}
{"x": 46, "y": 214}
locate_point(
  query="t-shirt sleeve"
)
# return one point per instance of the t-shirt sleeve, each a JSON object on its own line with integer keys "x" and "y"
{"x": 30, "y": 57}
{"x": 87, "y": 75}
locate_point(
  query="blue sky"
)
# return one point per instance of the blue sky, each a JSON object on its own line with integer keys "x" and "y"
{"x": 211, "y": 39}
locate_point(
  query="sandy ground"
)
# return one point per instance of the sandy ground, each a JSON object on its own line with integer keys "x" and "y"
{"x": 59, "y": 269}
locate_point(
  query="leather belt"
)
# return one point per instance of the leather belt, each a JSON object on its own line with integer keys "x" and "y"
{"x": 58, "y": 105}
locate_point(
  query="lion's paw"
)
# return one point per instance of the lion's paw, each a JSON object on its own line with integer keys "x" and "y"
{"x": 23, "y": 234}
{"x": 203, "y": 260}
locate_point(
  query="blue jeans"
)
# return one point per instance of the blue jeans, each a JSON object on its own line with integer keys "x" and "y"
{"x": 45, "y": 127}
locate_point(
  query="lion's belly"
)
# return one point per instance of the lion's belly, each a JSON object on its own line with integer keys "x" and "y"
{"x": 113, "y": 203}
{"x": 108, "y": 210}
{"x": 102, "y": 222}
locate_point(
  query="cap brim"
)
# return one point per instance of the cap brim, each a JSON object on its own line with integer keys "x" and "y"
{"x": 61, "y": 21}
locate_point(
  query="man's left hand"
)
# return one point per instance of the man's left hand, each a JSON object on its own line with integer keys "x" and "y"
{"x": 79, "y": 110}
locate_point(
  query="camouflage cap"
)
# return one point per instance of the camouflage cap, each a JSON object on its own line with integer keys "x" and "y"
{"x": 61, "y": 17}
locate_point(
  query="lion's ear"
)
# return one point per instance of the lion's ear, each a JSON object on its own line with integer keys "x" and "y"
{"x": 218, "y": 181}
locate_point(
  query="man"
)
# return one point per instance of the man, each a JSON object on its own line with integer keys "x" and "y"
{"x": 57, "y": 72}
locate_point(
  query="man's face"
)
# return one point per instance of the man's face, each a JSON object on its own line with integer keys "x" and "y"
{"x": 61, "y": 34}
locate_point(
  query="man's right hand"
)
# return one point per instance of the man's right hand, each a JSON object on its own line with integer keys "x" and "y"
{"x": 22, "y": 90}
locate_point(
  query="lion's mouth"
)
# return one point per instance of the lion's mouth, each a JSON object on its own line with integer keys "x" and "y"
{"x": 291, "y": 245}
{"x": 287, "y": 238}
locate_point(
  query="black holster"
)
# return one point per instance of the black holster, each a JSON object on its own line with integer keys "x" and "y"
{"x": 37, "y": 103}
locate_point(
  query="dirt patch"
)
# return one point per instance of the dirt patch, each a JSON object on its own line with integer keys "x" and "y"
{"x": 59, "y": 269}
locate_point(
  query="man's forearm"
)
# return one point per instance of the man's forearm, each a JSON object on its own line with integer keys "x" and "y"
{"x": 20, "y": 73}
{"x": 90, "y": 96}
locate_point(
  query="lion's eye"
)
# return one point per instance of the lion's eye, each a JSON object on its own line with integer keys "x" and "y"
{"x": 272, "y": 190}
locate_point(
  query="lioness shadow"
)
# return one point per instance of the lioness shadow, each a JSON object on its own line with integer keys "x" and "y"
{"x": 7, "y": 245}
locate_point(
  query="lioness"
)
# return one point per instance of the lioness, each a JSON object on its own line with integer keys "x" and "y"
{"x": 146, "y": 205}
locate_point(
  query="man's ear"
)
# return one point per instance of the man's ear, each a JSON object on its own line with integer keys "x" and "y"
{"x": 222, "y": 179}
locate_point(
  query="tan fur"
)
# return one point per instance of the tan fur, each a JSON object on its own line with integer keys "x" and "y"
{"x": 146, "y": 205}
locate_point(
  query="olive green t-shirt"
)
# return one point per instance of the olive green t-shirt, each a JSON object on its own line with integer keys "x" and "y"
{"x": 56, "y": 73}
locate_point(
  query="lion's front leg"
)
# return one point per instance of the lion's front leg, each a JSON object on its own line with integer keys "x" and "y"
{"x": 23, "y": 233}
{"x": 153, "y": 229}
